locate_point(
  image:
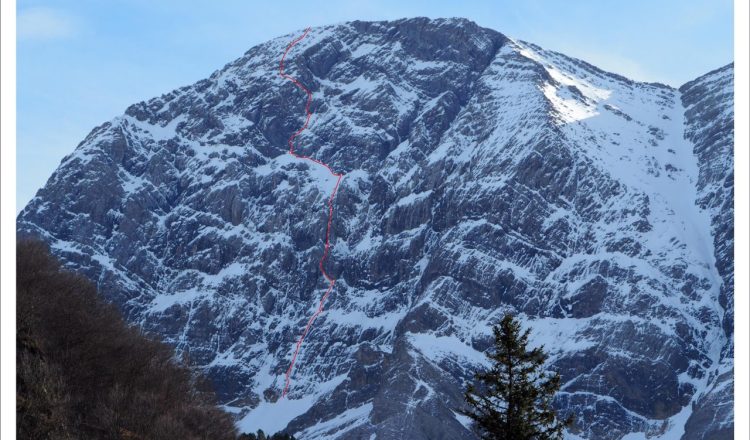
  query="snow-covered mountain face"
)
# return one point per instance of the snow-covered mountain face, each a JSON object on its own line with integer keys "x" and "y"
{"x": 483, "y": 176}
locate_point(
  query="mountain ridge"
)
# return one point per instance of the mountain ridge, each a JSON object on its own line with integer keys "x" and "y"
{"x": 455, "y": 119}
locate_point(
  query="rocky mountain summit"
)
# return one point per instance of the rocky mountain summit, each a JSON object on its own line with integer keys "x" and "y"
{"x": 483, "y": 175}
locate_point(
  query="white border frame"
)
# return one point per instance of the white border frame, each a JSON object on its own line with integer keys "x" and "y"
{"x": 742, "y": 218}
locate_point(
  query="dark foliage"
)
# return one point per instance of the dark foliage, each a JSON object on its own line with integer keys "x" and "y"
{"x": 262, "y": 436}
{"x": 83, "y": 373}
{"x": 512, "y": 400}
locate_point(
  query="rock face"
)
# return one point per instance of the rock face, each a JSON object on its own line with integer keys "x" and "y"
{"x": 484, "y": 175}
{"x": 709, "y": 126}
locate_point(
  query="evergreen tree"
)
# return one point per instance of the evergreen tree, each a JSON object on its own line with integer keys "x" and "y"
{"x": 512, "y": 400}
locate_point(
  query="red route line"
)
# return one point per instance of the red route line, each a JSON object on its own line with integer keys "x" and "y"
{"x": 339, "y": 176}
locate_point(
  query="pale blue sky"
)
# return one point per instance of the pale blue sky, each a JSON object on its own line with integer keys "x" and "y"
{"x": 82, "y": 62}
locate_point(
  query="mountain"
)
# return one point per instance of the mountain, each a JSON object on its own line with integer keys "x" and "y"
{"x": 482, "y": 175}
